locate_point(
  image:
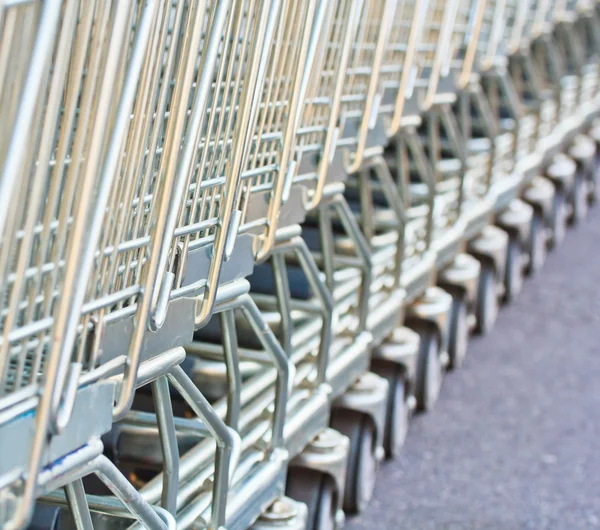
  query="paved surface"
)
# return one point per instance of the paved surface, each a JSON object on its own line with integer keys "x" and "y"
{"x": 514, "y": 442}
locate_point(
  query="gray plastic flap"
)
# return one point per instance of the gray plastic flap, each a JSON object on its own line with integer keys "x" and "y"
{"x": 177, "y": 330}
{"x": 91, "y": 418}
{"x": 240, "y": 264}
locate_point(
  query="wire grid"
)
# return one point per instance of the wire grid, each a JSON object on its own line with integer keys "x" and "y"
{"x": 462, "y": 37}
{"x": 318, "y": 128}
{"x": 18, "y": 31}
{"x": 491, "y": 32}
{"x": 544, "y": 21}
{"x": 40, "y": 225}
{"x": 398, "y": 68}
{"x": 441, "y": 52}
{"x": 163, "y": 123}
{"x": 223, "y": 131}
{"x": 441, "y": 46}
{"x": 513, "y": 26}
{"x": 530, "y": 14}
{"x": 278, "y": 112}
{"x": 363, "y": 69}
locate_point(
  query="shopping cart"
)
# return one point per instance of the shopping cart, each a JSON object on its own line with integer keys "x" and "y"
{"x": 548, "y": 72}
{"x": 591, "y": 44}
{"x": 466, "y": 156}
{"x": 513, "y": 127}
{"x": 535, "y": 190}
{"x": 254, "y": 133}
{"x": 438, "y": 149}
{"x": 492, "y": 133}
{"x": 558, "y": 60}
{"x": 368, "y": 222}
{"x": 333, "y": 231}
{"x": 517, "y": 39}
{"x": 570, "y": 57}
{"x": 237, "y": 231}
{"x": 585, "y": 26}
{"x": 72, "y": 76}
{"x": 166, "y": 234}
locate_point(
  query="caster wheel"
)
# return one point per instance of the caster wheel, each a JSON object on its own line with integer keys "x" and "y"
{"x": 579, "y": 200}
{"x": 487, "y": 300}
{"x": 362, "y": 461}
{"x": 430, "y": 372}
{"x": 537, "y": 245}
{"x": 317, "y": 491}
{"x": 397, "y": 410}
{"x": 46, "y": 518}
{"x": 594, "y": 195}
{"x": 594, "y": 182}
{"x": 559, "y": 218}
{"x": 459, "y": 332}
{"x": 593, "y": 192}
{"x": 513, "y": 276}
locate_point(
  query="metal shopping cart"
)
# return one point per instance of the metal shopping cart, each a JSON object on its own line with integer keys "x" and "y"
{"x": 514, "y": 126}
{"x": 71, "y": 79}
{"x": 337, "y": 241}
{"x": 557, "y": 58}
{"x": 536, "y": 190}
{"x": 549, "y": 138}
{"x": 372, "y": 191}
{"x": 591, "y": 19}
{"x": 225, "y": 344}
{"x": 440, "y": 55}
{"x": 576, "y": 75}
{"x": 165, "y": 237}
{"x": 242, "y": 240}
{"x": 478, "y": 34}
{"x": 581, "y": 54}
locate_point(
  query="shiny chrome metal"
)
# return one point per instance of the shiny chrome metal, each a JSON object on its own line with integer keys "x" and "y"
{"x": 319, "y": 128}
{"x": 153, "y": 150}
{"x": 269, "y": 167}
{"x": 73, "y": 121}
{"x": 362, "y": 94}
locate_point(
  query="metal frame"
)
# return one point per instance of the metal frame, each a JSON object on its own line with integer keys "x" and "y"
{"x": 154, "y": 152}
{"x": 56, "y": 259}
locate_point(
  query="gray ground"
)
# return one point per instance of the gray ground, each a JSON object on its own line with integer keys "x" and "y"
{"x": 514, "y": 442}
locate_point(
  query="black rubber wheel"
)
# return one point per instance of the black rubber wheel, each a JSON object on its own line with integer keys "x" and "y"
{"x": 46, "y": 518}
{"x": 559, "y": 218}
{"x": 579, "y": 200}
{"x": 538, "y": 247}
{"x": 430, "y": 372}
{"x": 362, "y": 462}
{"x": 397, "y": 410}
{"x": 316, "y": 490}
{"x": 513, "y": 274}
{"x": 487, "y": 300}
{"x": 459, "y": 332}
{"x": 593, "y": 192}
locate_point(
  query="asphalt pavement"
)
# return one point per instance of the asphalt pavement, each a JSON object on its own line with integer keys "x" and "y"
{"x": 514, "y": 442}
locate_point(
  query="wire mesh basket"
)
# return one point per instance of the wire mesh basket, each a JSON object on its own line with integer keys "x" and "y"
{"x": 72, "y": 76}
